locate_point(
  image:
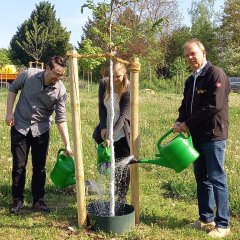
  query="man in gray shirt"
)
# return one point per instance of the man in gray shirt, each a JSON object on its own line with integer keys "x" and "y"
{"x": 42, "y": 93}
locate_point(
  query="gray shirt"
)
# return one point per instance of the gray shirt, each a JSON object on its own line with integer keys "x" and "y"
{"x": 37, "y": 102}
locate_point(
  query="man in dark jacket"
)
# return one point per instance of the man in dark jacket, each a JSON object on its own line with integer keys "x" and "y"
{"x": 204, "y": 112}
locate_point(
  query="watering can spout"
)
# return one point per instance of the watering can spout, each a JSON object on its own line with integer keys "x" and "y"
{"x": 160, "y": 162}
{"x": 176, "y": 154}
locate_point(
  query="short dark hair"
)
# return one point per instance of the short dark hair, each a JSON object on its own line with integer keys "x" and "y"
{"x": 56, "y": 60}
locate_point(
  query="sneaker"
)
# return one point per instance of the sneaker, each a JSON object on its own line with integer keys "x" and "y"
{"x": 40, "y": 206}
{"x": 17, "y": 206}
{"x": 199, "y": 225}
{"x": 219, "y": 232}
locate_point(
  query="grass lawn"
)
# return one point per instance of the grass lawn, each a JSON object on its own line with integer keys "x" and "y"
{"x": 167, "y": 199}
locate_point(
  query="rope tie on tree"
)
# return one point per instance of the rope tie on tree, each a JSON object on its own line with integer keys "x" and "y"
{"x": 133, "y": 66}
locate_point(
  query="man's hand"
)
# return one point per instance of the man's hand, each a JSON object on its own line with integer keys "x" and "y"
{"x": 180, "y": 127}
{"x": 10, "y": 119}
{"x": 176, "y": 127}
{"x": 183, "y": 127}
{"x": 68, "y": 151}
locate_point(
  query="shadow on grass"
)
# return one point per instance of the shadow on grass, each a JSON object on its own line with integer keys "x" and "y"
{"x": 164, "y": 222}
{"x": 179, "y": 190}
{"x": 62, "y": 203}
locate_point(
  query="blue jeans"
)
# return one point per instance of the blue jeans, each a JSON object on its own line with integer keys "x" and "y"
{"x": 212, "y": 183}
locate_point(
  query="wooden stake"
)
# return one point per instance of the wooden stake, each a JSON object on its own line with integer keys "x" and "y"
{"x": 134, "y": 138}
{"x": 77, "y": 138}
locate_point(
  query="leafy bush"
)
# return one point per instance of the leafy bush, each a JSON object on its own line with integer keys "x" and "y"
{"x": 158, "y": 84}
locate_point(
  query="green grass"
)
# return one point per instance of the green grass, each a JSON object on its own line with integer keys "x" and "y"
{"x": 167, "y": 199}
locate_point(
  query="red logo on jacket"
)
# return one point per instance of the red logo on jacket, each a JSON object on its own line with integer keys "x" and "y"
{"x": 218, "y": 84}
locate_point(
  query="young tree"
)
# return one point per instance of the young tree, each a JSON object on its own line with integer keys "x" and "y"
{"x": 57, "y": 37}
{"x": 104, "y": 25}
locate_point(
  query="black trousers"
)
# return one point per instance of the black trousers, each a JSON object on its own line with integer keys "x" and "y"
{"x": 20, "y": 146}
{"x": 122, "y": 175}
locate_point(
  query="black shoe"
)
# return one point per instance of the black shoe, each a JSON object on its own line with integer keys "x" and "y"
{"x": 17, "y": 206}
{"x": 40, "y": 206}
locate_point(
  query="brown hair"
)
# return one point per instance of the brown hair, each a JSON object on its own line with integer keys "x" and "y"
{"x": 56, "y": 60}
{"x": 124, "y": 85}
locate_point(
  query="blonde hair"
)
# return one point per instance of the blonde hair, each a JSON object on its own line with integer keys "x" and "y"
{"x": 124, "y": 84}
{"x": 197, "y": 42}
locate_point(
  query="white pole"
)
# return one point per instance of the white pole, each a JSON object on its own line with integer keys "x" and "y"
{"x": 112, "y": 179}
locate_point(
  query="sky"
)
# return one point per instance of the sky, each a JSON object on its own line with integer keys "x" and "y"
{"x": 14, "y": 12}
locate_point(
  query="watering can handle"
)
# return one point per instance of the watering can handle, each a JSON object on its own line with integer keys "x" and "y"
{"x": 60, "y": 150}
{"x": 168, "y": 133}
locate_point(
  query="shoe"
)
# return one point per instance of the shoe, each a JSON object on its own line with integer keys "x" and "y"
{"x": 17, "y": 206}
{"x": 40, "y": 206}
{"x": 219, "y": 232}
{"x": 199, "y": 225}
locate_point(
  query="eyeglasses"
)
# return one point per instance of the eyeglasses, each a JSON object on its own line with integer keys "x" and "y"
{"x": 192, "y": 54}
{"x": 58, "y": 74}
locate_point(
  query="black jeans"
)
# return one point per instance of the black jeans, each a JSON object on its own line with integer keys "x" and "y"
{"x": 20, "y": 146}
{"x": 122, "y": 175}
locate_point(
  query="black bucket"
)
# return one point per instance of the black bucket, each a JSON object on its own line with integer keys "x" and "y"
{"x": 99, "y": 219}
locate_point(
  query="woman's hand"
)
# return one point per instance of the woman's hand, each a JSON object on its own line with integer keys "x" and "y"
{"x": 103, "y": 133}
{"x": 107, "y": 143}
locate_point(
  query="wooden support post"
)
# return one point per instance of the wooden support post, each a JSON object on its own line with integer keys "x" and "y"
{"x": 77, "y": 139}
{"x": 134, "y": 138}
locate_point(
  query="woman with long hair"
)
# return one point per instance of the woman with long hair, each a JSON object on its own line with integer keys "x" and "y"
{"x": 121, "y": 122}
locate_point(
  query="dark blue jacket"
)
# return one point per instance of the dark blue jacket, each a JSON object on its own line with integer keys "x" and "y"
{"x": 209, "y": 118}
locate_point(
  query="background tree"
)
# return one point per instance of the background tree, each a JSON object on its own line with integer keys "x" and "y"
{"x": 57, "y": 36}
{"x": 89, "y": 64}
{"x": 158, "y": 9}
{"x": 230, "y": 29}
{"x": 4, "y": 56}
{"x": 173, "y": 44}
{"x": 36, "y": 40}
{"x": 230, "y": 38}
{"x": 204, "y": 27}
{"x": 230, "y": 60}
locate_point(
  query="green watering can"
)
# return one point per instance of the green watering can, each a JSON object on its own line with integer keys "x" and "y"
{"x": 63, "y": 173}
{"x": 103, "y": 159}
{"x": 177, "y": 154}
